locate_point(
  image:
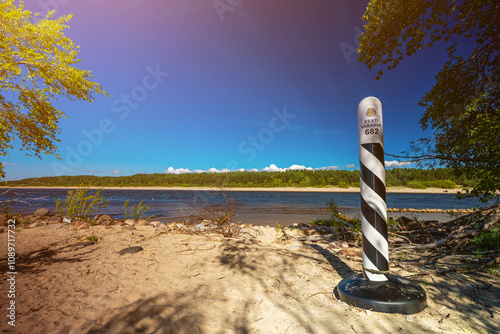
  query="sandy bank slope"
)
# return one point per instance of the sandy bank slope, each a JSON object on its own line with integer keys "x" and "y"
{"x": 204, "y": 284}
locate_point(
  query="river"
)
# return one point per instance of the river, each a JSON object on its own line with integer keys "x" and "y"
{"x": 256, "y": 207}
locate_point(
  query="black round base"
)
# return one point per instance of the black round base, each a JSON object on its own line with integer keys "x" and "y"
{"x": 397, "y": 295}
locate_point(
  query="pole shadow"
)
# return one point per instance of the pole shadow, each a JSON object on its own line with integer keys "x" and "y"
{"x": 340, "y": 266}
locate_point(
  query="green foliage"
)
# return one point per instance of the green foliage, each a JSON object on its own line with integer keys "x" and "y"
{"x": 343, "y": 185}
{"x": 415, "y": 185}
{"x": 281, "y": 233}
{"x": 338, "y": 221}
{"x": 401, "y": 256}
{"x": 391, "y": 223}
{"x": 444, "y": 184}
{"x": 78, "y": 203}
{"x": 92, "y": 238}
{"x": 6, "y": 206}
{"x": 463, "y": 107}
{"x": 488, "y": 240}
{"x": 37, "y": 65}
{"x": 395, "y": 177}
{"x": 136, "y": 212}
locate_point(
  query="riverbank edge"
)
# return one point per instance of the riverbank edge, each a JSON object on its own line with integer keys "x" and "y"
{"x": 276, "y": 189}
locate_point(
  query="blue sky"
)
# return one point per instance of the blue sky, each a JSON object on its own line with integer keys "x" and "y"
{"x": 226, "y": 85}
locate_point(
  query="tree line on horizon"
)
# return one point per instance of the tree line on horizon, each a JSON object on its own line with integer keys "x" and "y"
{"x": 408, "y": 177}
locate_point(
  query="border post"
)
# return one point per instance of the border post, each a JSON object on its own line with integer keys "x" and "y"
{"x": 372, "y": 186}
{"x": 376, "y": 288}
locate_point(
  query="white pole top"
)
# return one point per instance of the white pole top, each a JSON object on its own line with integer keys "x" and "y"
{"x": 370, "y": 125}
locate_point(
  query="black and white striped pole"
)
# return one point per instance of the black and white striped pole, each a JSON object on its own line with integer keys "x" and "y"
{"x": 372, "y": 186}
{"x": 376, "y": 288}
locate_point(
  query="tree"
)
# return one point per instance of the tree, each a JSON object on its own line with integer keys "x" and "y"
{"x": 37, "y": 65}
{"x": 463, "y": 106}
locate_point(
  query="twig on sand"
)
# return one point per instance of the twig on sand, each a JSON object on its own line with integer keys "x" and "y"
{"x": 315, "y": 237}
{"x": 437, "y": 285}
{"x": 319, "y": 293}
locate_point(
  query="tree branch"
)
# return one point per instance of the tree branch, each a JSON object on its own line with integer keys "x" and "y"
{"x": 489, "y": 222}
{"x": 432, "y": 157}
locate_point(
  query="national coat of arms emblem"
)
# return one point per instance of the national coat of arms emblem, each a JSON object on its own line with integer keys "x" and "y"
{"x": 371, "y": 112}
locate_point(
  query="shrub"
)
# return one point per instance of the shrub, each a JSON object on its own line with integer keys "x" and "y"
{"x": 92, "y": 238}
{"x": 303, "y": 184}
{"x": 6, "y": 206}
{"x": 78, "y": 203}
{"x": 338, "y": 221}
{"x": 343, "y": 185}
{"x": 447, "y": 184}
{"x": 416, "y": 185}
{"x": 488, "y": 240}
{"x": 282, "y": 236}
{"x": 220, "y": 213}
{"x": 135, "y": 212}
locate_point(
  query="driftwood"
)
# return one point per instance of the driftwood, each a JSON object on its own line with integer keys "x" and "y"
{"x": 453, "y": 240}
{"x": 461, "y": 234}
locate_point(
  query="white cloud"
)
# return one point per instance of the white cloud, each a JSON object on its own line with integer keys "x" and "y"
{"x": 270, "y": 168}
{"x": 172, "y": 170}
{"x": 396, "y": 163}
{"x": 115, "y": 172}
{"x": 350, "y": 166}
{"x": 215, "y": 170}
{"x": 299, "y": 167}
{"x": 9, "y": 164}
{"x": 273, "y": 168}
{"x": 327, "y": 168}
{"x": 92, "y": 171}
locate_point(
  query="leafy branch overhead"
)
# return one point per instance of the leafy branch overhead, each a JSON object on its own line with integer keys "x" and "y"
{"x": 37, "y": 66}
{"x": 462, "y": 108}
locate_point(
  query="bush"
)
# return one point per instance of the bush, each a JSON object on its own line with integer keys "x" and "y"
{"x": 447, "y": 184}
{"x": 78, "y": 203}
{"x": 416, "y": 185}
{"x": 488, "y": 240}
{"x": 6, "y": 206}
{"x": 135, "y": 212}
{"x": 444, "y": 184}
{"x": 339, "y": 223}
{"x": 343, "y": 185}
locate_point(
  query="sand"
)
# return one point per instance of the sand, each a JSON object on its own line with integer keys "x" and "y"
{"x": 190, "y": 284}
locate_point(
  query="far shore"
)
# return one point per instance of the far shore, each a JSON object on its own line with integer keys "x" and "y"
{"x": 282, "y": 189}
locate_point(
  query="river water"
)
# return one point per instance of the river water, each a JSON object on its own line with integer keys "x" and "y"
{"x": 256, "y": 207}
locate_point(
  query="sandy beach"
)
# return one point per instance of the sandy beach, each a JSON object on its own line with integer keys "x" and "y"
{"x": 184, "y": 283}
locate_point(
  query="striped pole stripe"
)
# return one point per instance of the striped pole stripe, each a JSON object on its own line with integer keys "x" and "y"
{"x": 373, "y": 190}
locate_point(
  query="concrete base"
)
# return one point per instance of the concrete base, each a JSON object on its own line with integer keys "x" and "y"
{"x": 397, "y": 295}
